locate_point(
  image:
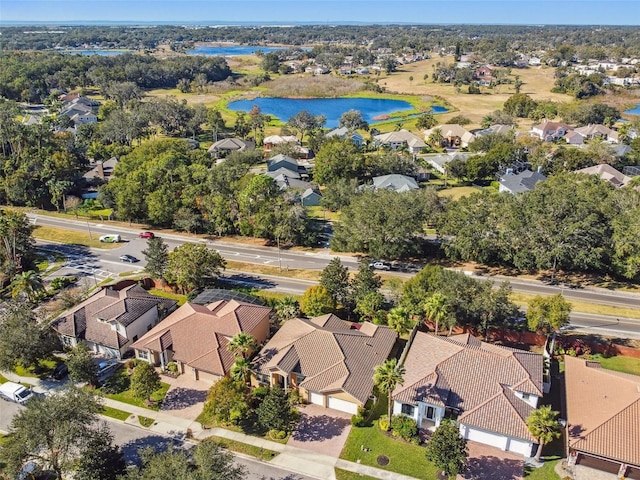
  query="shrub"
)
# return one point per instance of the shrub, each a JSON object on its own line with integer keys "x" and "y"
{"x": 404, "y": 427}
{"x": 59, "y": 283}
{"x": 357, "y": 420}
{"x": 277, "y": 434}
{"x": 294, "y": 398}
{"x": 383, "y": 423}
{"x": 172, "y": 367}
{"x": 260, "y": 392}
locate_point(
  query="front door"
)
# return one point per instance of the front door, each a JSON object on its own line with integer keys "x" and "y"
{"x": 430, "y": 413}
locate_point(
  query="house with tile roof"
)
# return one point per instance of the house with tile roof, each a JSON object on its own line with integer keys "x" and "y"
{"x": 490, "y": 390}
{"x": 225, "y": 146}
{"x": 196, "y": 337}
{"x": 454, "y": 135}
{"x": 328, "y": 360}
{"x": 111, "y": 320}
{"x": 603, "y": 418}
{"x": 591, "y": 131}
{"x": 519, "y": 182}
{"x": 549, "y": 131}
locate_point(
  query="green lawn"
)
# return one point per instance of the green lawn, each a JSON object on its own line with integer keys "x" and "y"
{"x": 546, "y": 472}
{"x": 405, "y": 458}
{"x": 71, "y": 237}
{"x": 115, "y": 413}
{"x": 3, "y": 379}
{"x": 117, "y": 387}
{"x": 347, "y": 475}
{"x": 145, "y": 421}
{"x": 181, "y": 299}
{"x": 619, "y": 364}
{"x": 43, "y": 370}
{"x": 260, "y": 453}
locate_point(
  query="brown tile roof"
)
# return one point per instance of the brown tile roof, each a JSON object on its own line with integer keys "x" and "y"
{"x": 603, "y": 410}
{"x": 330, "y": 353}
{"x": 198, "y": 334}
{"x": 474, "y": 377}
{"x": 92, "y": 319}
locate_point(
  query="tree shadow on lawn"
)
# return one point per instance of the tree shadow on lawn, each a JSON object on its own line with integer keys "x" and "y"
{"x": 495, "y": 468}
{"x": 318, "y": 428}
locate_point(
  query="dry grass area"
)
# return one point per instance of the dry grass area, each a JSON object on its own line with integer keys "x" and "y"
{"x": 271, "y": 270}
{"x": 584, "y": 307}
{"x": 537, "y": 83}
{"x": 312, "y": 86}
{"x": 455, "y": 193}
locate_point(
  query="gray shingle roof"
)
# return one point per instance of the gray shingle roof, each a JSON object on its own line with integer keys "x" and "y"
{"x": 521, "y": 182}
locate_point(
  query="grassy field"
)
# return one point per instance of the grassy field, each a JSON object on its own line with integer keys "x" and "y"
{"x": 455, "y": 193}
{"x": 73, "y": 237}
{"x": 584, "y": 307}
{"x": 181, "y": 299}
{"x": 271, "y": 270}
{"x": 115, "y": 413}
{"x": 619, "y": 363}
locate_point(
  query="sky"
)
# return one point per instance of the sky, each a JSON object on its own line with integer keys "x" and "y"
{"x": 523, "y": 12}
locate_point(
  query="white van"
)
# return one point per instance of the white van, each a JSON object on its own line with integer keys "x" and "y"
{"x": 113, "y": 238}
{"x": 15, "y": 392}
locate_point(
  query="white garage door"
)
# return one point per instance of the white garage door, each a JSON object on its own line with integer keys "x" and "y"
{"x": 522, "y": 447}
{"x": 316, "y": 398}
{"x": 342, "y": 405}
{"x": 487, "y": 438}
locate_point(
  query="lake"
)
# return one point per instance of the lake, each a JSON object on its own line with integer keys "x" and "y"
{"x": 633, "y": 111}
{"x": 230, "y": 50}
{"x": 332, "y": 108}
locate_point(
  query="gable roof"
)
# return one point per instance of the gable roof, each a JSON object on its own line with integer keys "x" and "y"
{"x": 521, "y": 182}
{"x": 199, "y": 334}
{"x": 284, "y": 172}
{"x": 597, "y": 129}
{"x": 449, "y": 130}
{"x": 401, "y": 136}
{"x": 608, "y": 173}
{"x": 342, "y": 132}
{"x": 477, "y": 378}
{"x": 552, "y": 126}
{"x": 331, "y": 354}
{"x": 397, "y": 182}
{"x": 92, "y": 320}
{"x": 603, "y": 410}
{"x": 231, "y": 144}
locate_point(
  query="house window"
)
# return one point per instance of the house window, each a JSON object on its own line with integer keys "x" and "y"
{"x": 143, "y": 355}
{"x": 407, "y": 409}
{"x": 525, "y": 396}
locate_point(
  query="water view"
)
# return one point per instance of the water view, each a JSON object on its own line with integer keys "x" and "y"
{"x": 634, "y": 111}
{"x": 372, "y": 109}
{"x": 230, "y": 50}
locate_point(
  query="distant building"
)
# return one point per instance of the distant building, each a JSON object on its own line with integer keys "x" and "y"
{"x": 520, "y": 182}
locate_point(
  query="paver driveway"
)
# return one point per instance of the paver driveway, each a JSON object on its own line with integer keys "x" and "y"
{"x": 322, "y": 430}
{"x": 487, "y": 462}
{"x": 185, "y": 398}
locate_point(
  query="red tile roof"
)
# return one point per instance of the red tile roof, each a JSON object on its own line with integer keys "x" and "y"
{"x": 477, "y": 378}
{"x": 199, "y": 334}
{"x": 603, "y": 410}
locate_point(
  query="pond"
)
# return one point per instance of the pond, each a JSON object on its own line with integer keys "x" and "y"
{"x": 230, "y": 50}
{"x": 372, "y": 109}
{"x": 633, "y": 111}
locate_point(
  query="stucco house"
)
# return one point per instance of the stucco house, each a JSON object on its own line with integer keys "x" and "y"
{"x": 490, "y": 390}
{"x": 111, "y": 320}
{"x": 401, "y": 139}
{"x": 396, "y": 182}
{"x": 328, "y": 360}
{"x": 549, "y": 131}
{"x": 454, "y": 135}
{"x": 196, "y": 337}
{"x": 608, "y": 173}
{"x": 591, "y": 131}
{"x": 603, "y": 418}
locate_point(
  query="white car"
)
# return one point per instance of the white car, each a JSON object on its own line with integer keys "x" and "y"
{"x": 378, "y": 265}
{"x": 106, "y": 367}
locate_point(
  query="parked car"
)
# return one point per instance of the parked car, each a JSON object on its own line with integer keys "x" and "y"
{"x": 60, "y": 372}
{"x": 128, "y": 258}
{"x": 107, "y": 366}
{"x": 379, "y": 265}
{"x": 114, "y": 238}
{"x": 146, "y": 235}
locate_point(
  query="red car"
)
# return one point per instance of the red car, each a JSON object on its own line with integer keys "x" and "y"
{"x": 146, "y": 235}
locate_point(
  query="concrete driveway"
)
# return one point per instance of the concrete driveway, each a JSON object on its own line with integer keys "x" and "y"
{"x": 322, "y": 430}
{"x": 489, "y": 462}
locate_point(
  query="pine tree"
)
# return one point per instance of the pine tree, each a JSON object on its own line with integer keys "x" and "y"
{"x": 157, "y": 256}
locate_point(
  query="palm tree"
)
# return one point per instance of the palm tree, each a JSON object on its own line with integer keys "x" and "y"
{"x": 436, "y": 308}
{"x": 544, "y": 426}
{"x": 287, "y": 308}
{"x": 241, "y": 344}
{"x": 240, "y": 370}
{"x": 436, "y": 138}
{"x": 400, "y": 320}
{"x": 387, "y": 377}
{"x": 27, "y": 282}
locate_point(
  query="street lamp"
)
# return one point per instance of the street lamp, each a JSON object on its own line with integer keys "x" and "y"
{"x": 279, "y": 259}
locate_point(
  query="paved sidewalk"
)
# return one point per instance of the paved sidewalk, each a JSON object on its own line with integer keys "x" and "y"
{"x": 291, "y": 458}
